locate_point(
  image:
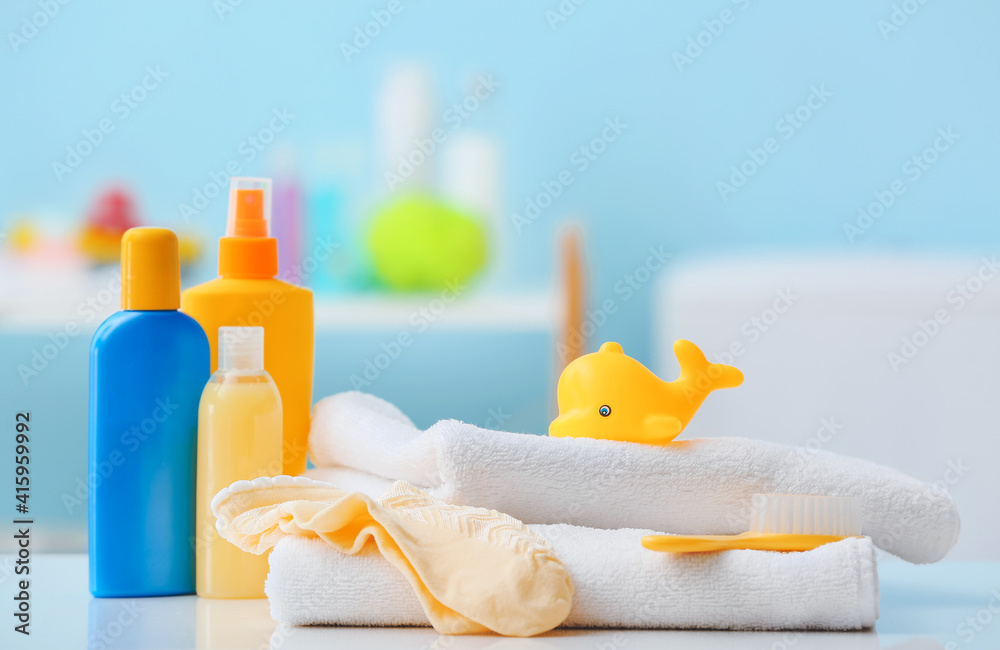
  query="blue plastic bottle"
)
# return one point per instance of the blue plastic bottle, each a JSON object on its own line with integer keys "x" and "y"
{"x": 148, "y": 365}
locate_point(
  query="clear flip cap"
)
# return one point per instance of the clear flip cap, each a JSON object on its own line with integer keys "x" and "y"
{"x": 249, "y": 207}
{"x": 241, "y": 348}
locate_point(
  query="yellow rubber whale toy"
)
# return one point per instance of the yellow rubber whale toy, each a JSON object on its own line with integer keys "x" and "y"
{"x": 608, "y": 394}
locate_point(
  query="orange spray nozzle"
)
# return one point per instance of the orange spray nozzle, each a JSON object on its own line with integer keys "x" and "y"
{"x": 249, "y": 207}
{"x": 250, "y": 214}
{"x": 248, "y": 250}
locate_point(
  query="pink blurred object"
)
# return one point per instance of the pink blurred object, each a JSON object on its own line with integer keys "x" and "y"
{"x": 112, "y": 213}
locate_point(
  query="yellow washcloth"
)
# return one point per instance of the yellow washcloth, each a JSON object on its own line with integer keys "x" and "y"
{"x": 473, "y": 570}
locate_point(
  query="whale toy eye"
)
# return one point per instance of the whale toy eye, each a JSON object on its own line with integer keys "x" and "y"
{"x": 605, "y": 411}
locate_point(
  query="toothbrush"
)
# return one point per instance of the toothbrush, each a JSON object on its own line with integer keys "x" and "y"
{"x": 779, "y": 522}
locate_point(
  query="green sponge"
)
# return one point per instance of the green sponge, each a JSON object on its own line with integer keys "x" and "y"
{"x": 417, "y": 243}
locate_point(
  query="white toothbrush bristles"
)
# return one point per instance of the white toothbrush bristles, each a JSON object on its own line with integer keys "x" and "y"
{"x": 805, "y": 515}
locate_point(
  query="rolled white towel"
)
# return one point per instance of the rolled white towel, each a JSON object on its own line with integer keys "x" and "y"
{"x": 617, "y": 583}
{"x": 688, "y": 487}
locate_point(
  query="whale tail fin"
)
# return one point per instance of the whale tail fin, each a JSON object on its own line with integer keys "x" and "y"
{"x": 698, "y": 376}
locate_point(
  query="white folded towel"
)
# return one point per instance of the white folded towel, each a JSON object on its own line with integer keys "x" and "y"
{"x": 688, "y": 487}
{"x": 617, "y": 583}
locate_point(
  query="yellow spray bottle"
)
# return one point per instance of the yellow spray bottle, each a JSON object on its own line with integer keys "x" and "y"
{"x": 239, "y": 438}
{"x": 247, "y": 294}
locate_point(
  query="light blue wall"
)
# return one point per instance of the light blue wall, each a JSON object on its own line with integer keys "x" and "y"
{"x": 655, "y": 185}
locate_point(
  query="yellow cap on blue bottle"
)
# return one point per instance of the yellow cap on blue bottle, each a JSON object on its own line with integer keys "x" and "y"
{"x": 151, "y": 270}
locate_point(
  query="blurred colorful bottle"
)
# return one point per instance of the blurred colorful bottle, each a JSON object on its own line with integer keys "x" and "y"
{"x": 337, "y": 266}
{"x": 147, "y": 364}
{"x": 288, "y": 215}
{"x": 326, "y": 225}
{"x": 239, "y": 438}
{"x": 247, "y": 294}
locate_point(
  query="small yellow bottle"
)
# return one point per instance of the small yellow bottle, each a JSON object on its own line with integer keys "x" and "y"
{"x": 239, "y": 438}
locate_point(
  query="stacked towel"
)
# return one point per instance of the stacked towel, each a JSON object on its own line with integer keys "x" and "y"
{"x": 407, "y": 559}
{"x": 360, "y": 442}
{"x": 617, "y": 583}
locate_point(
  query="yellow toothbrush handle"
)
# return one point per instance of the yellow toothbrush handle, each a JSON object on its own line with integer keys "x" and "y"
{"x": 745, "y": 541}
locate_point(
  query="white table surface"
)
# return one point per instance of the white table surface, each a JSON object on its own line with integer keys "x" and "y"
{"x": 922, "y": 608}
